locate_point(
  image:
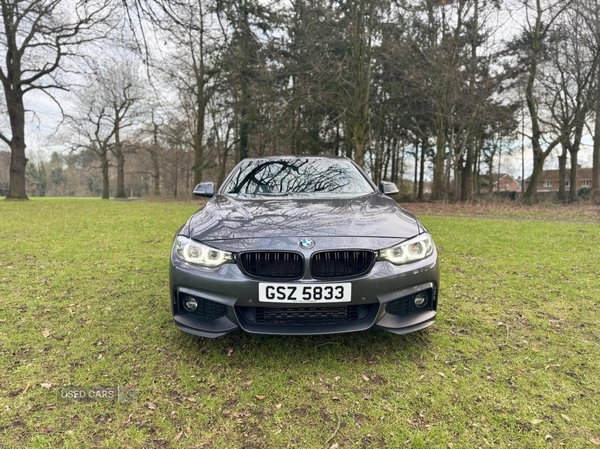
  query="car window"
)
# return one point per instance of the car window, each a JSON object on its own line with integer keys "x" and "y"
{"x": 297, "y": 176}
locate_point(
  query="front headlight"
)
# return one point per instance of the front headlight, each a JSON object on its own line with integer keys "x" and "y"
{"x": 194, "y": 252}
{"x": 412, "y": 250}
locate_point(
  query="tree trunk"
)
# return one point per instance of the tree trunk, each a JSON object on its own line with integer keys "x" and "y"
{"x": 447, "y": 172}
{"x": 394, "y": 160}
{"x": 562, "y": 173}
{"x": 477, "y": 165}
{"x": 358, "y": 144}
{"x": 596, "y": 158}
{"x": 121, "y": 193}
{"x": 596, "y": 151}
{"x": 202, "y": 98}
{"x": 377, "y": 166}
{"x": 466, "y": 189}
{"x": 416, "y": 177}
{"x": 338, "y": 141}
{"x": 361, "y": 78}
{"x": 422, "y": 169}
{"x": 538, "y": 154}
{"x": 18, "y": 161}
{"x": 347, "y": 143}
{"x": 118, "y": 152}
{"x": 499, "y": 167}
{"x": 199, "y": 146}
{"x": 538, "y": 167}
{"x": 223, "y": 167}
{"x": 243, "y": 121}
{"x": 596, "y": 154}
{"x": 156, "y": 175}
{"x": 105, "y": 179}
{"x": 401, "y": 169}
{"x": 175, "y": 177}
{"x": 154, "y": 155}
{"x": 386, "y": 159}
{"x": 491, "y": 167}
{"x": 438, "y": 189}
{"x": 573, "y": 176}
{"x": 574, "y": 150}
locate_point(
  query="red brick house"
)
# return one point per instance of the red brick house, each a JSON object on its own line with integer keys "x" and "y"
{"x": 549, "y": 180}
{"x": 499, "y": 182}
{"x": 503, "y": 182}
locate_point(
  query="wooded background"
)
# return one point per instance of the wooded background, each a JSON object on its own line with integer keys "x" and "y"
{"x": 158, "y": 95}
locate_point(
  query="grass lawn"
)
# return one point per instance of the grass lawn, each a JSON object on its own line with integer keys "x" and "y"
{"x": 512, "y": 361}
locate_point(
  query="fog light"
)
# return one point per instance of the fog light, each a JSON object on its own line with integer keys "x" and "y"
{"x": 420, "y": 300}
{"x": 190, "y": 303}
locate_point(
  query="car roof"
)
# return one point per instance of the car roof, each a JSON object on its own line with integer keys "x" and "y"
{"x": 291, "y": 157}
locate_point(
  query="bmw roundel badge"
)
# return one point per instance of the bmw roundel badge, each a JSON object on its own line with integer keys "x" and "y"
{"x": 306, "y": 243}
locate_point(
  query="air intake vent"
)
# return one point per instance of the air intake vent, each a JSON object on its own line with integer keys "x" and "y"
{"x": 306, "y": 315}
{"x": 406, "y": 305}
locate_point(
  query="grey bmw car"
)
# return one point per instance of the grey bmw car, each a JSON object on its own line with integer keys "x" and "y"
{"x": 302, "y": 246}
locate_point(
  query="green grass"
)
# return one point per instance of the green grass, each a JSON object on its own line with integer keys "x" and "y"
{"x": 582, "y": 211}
{"x": 512, "y": 361}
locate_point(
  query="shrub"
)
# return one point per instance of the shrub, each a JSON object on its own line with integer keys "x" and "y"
{"x": 584, "y": 193}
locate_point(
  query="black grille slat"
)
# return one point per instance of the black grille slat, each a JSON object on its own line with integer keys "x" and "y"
{"x": 272, "y": 264}
{"x": 306, "y": 315}
{"x": 341, "y": 264}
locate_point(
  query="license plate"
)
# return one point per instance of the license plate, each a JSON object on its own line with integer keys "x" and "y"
{"x": 304, "y": 293}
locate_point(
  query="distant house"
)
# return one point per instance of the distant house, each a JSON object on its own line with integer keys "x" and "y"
{"x": 503, "y": 182}
{"x": 549, "y": 180}
{"x": 500, "y": 182}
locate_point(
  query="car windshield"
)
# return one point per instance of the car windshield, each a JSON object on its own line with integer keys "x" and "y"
{"x": 278, "y": 177}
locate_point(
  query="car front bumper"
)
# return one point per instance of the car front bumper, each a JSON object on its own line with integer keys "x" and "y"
{"x": 228, "y": 301}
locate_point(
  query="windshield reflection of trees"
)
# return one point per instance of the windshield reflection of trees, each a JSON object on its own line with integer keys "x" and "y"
{"x": 248, "y": 209}
{"x": 297, "y": 176}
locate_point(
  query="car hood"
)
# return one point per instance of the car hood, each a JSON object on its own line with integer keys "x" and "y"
{"x": 225, "y": 217}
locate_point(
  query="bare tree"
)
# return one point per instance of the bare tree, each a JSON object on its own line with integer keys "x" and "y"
{"x": 104, "y": 111}
{"x": 532, "y": 44}
{"x": 192, "y": 63}
{"x": 178, "y": 160}
{"x": 119, "y": 90}
{"x": 441, "y": 50}
{"x": 363, "y": 18}
{"x": 37, "y": 36}
{"x": 567, "y": 79}
{"x": 89, "y": 132}
{"x": 154, "y": 149}
{"x": 594, "y": 13}
{"x": 221, "y": 137}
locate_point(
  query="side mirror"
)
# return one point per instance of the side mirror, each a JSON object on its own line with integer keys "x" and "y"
{"x": 388, "y": 188}
{"x": 205, "y": 189}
